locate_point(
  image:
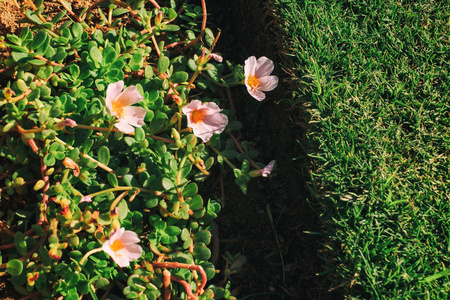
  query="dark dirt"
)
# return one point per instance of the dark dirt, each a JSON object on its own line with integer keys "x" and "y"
{"x": 274, "y": 126}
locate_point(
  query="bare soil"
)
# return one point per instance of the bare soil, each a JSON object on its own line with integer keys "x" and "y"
{"x": 275, "y": 270}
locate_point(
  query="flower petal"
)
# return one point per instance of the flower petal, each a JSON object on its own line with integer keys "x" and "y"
{"x": 250, "y": 66}
{"x": 257, "y": 94}
{"x": 194, "y": 105}
{"x": 132, "y": 252}
{"x": 123, "y": 126}
{"x": 121, "y": 261}
{"x": 212, "y": 108}
{"x": 268, "y": 83}
{"x": 211, "y": 124}
{"x": 112, "y": 92}
{"x": 134, "y": 115}
{"x": 264, "y": 67}
{"x": 130, "y": 237}
{"x": 129, "y": 96}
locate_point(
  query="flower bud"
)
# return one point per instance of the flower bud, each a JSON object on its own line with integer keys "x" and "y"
{"x": 69, "y": 163}
{"x": 8, "y": 93}
{"x": 32, "y": 277}
{"x": 158, "y": 18}
{"x": 175, "y": 134}
{"x": 174, "y": 118}
{"x": 202, "y": 59}
{"x": 177, "y": 99}
{"x": 55, "y": 253}
{"x": 86, "y": 198}
{"x": 67, "y": 122}
{"x": 216, "y": 57}
{"x": 114, "y": 213}
{"x": 115, "y": 225}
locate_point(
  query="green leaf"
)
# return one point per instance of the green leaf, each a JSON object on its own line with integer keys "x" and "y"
{"x": 190, "y": 190}
{"x": 179, "y": 77}
{"x": 122, "y": 208}
{"x": 109, "y": 55}
{"x": 96, "y": 55}
{"x": 38, "y": 40}
{"x": 74, "y": 70}
{"x": 212, "y": 72}
{"x": 203, "y": 236}
{"x": 103, "y": 155}
{"x": 38, "y": 229}
{"x": 167, "y": 184}
{"x": 209, "y": 37}
{"x": 139, "y": 134}
{"x": 201, "y": 252}
{"x": 196, "y": 202}
{"x": 112, "y": 179}
{"x": 173, "y": 230}
{"x": 49, "y": 160}
{"x": 14, "y": 267}
{"x": 135, "y": 62}
{"x": 148, "y": 72}
{"x": 77, "y": 29}
{"x": 102, "y": 283}
{"x": 163, "y": 64}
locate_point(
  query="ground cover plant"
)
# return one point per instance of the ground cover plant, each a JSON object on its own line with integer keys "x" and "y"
{"x": 375, "y": 75}
{"x": 109, "y": 124}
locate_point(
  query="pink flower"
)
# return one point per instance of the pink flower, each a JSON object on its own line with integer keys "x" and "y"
{"x": 205, "y": 119}
{"x": 119, "y": 104}
{"x": 86, "y": 198}
{"x": 258, "y": 78}
{"x": 267, "y": 169}
{"x": 122, "y": 247}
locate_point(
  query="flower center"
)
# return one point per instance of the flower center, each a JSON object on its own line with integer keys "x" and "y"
{"x": 252, "y": 81}
{"x": 117, "y": 108}
{"x": 198, "y": 116}
{"x": 116, "y": 246}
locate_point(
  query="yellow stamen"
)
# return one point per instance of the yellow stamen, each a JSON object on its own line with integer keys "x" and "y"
{"x": 198, "y": 116}
{"x": 252, "y": 81}
{"x": 117, "y": 108}
{"x": 116, "y": 246}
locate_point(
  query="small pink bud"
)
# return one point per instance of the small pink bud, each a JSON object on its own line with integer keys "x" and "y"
{"x": 267, "y": 169}
{"x": 67, "y": 122}
{"x": 86, "y": 198}
{"x": 216, "y": 57}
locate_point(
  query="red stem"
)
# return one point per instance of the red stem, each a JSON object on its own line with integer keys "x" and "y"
{"x": 186, "y": 286}
{"x": 173, "y": 265}
{"x": 32, "y": 251}
{"x": 202, "y": 32}
{"x": 166, "y": 284}
{"x": 155, "y": 4}
{"x": 91, "y": 7}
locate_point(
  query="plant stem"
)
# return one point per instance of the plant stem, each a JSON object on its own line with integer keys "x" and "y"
{"x": 104, "y": 167}
{"x": 224, "y": 158}
{"x": 88, "y": 254}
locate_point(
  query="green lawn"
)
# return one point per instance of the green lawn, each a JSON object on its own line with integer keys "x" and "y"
{"x": 376, "y": 76}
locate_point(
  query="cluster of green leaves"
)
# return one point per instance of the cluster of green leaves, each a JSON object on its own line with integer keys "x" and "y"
{"x": 60, "y": 70}
{"x": 377, "y": 76}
